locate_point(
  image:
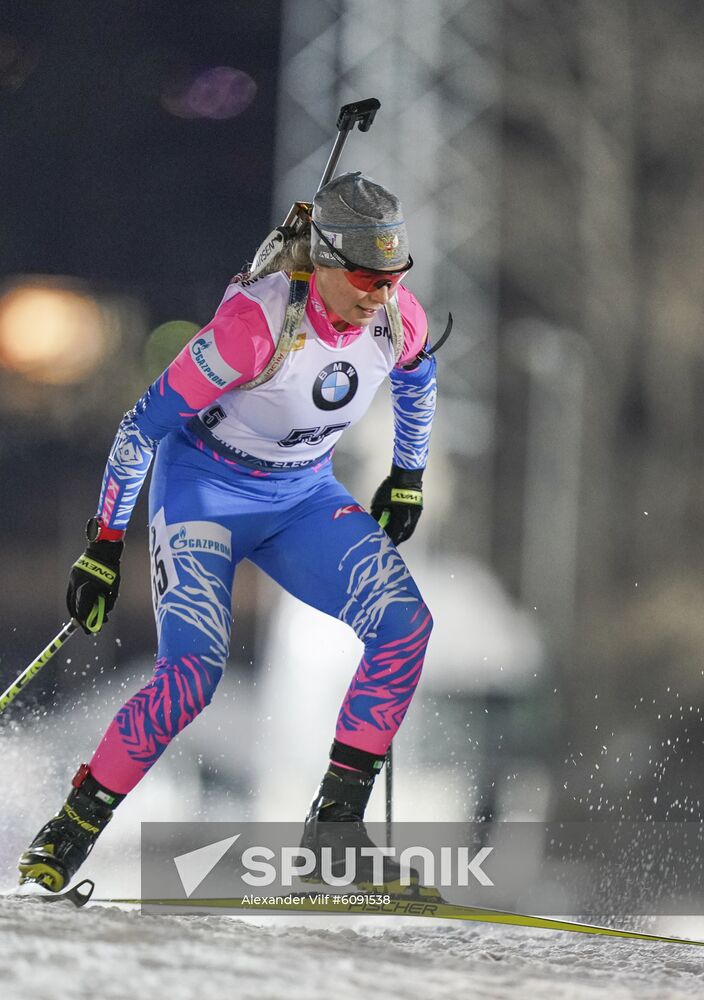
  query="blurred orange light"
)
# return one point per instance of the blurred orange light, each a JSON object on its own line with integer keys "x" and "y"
{"x": 51, "y": 334}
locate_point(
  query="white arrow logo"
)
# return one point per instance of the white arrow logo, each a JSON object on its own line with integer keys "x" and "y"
{"x": 193, "y": 867}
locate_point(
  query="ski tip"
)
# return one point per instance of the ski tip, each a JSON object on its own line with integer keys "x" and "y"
{"x": 80, "y": 894}
{"x": 32, "y": 889}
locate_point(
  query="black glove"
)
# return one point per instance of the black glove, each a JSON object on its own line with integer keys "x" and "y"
{"x": 94, "y": 584}
{"x": 398, "y": 503}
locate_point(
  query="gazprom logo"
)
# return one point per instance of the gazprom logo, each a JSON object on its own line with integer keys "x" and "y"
{"x": 205, "y": 537}
{"x": 211, "y": 363}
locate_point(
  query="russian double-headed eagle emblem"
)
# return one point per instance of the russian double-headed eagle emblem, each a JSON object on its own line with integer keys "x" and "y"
{"x": 388, "y": 245}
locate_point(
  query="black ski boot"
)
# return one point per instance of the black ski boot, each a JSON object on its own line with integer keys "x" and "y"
{"x": 336, "y": 822}
{"x": 64, "y": 843}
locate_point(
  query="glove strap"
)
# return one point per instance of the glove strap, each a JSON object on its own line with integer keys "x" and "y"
{"x": 96, "y": 569}
{"x": 406, "y": 495}
{"x": 96, "y": 618}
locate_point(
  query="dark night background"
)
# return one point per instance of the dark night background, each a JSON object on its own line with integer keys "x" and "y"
{"x": 100, "y": 182}
{"x": 550, "y": 160}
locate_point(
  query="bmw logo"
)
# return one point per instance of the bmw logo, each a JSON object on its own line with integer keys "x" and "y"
{"x": 335, "y": 386}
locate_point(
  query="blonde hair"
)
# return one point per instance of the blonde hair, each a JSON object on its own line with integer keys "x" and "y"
{"x": 294, "y": 255}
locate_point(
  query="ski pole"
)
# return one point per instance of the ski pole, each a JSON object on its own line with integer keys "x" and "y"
{"x": 389, "y": 794}
{"x": 36, "y": 665}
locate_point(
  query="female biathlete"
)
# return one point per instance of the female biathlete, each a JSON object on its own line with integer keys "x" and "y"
{"x": 243, "y": 427}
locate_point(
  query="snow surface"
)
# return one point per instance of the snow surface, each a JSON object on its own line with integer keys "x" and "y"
{"x": 54, "y": 950}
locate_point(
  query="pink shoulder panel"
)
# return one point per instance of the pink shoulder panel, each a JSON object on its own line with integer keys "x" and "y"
{"x": 415, "y": 325}
{"x": 234, "y": 347}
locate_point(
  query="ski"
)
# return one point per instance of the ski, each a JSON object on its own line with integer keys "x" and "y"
{"x": 78, "y": 894}
{"x": 431, "y": 907}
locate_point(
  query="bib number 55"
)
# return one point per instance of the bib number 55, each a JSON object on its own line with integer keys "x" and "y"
{"x": 311, "y": 435}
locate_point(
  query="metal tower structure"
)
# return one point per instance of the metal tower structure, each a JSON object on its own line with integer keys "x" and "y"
{"x": 435, "y": 142}
{"x": 435, "y": 139}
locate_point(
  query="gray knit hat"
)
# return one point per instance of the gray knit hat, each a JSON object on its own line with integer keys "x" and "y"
{"x": 362, "y": 220}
